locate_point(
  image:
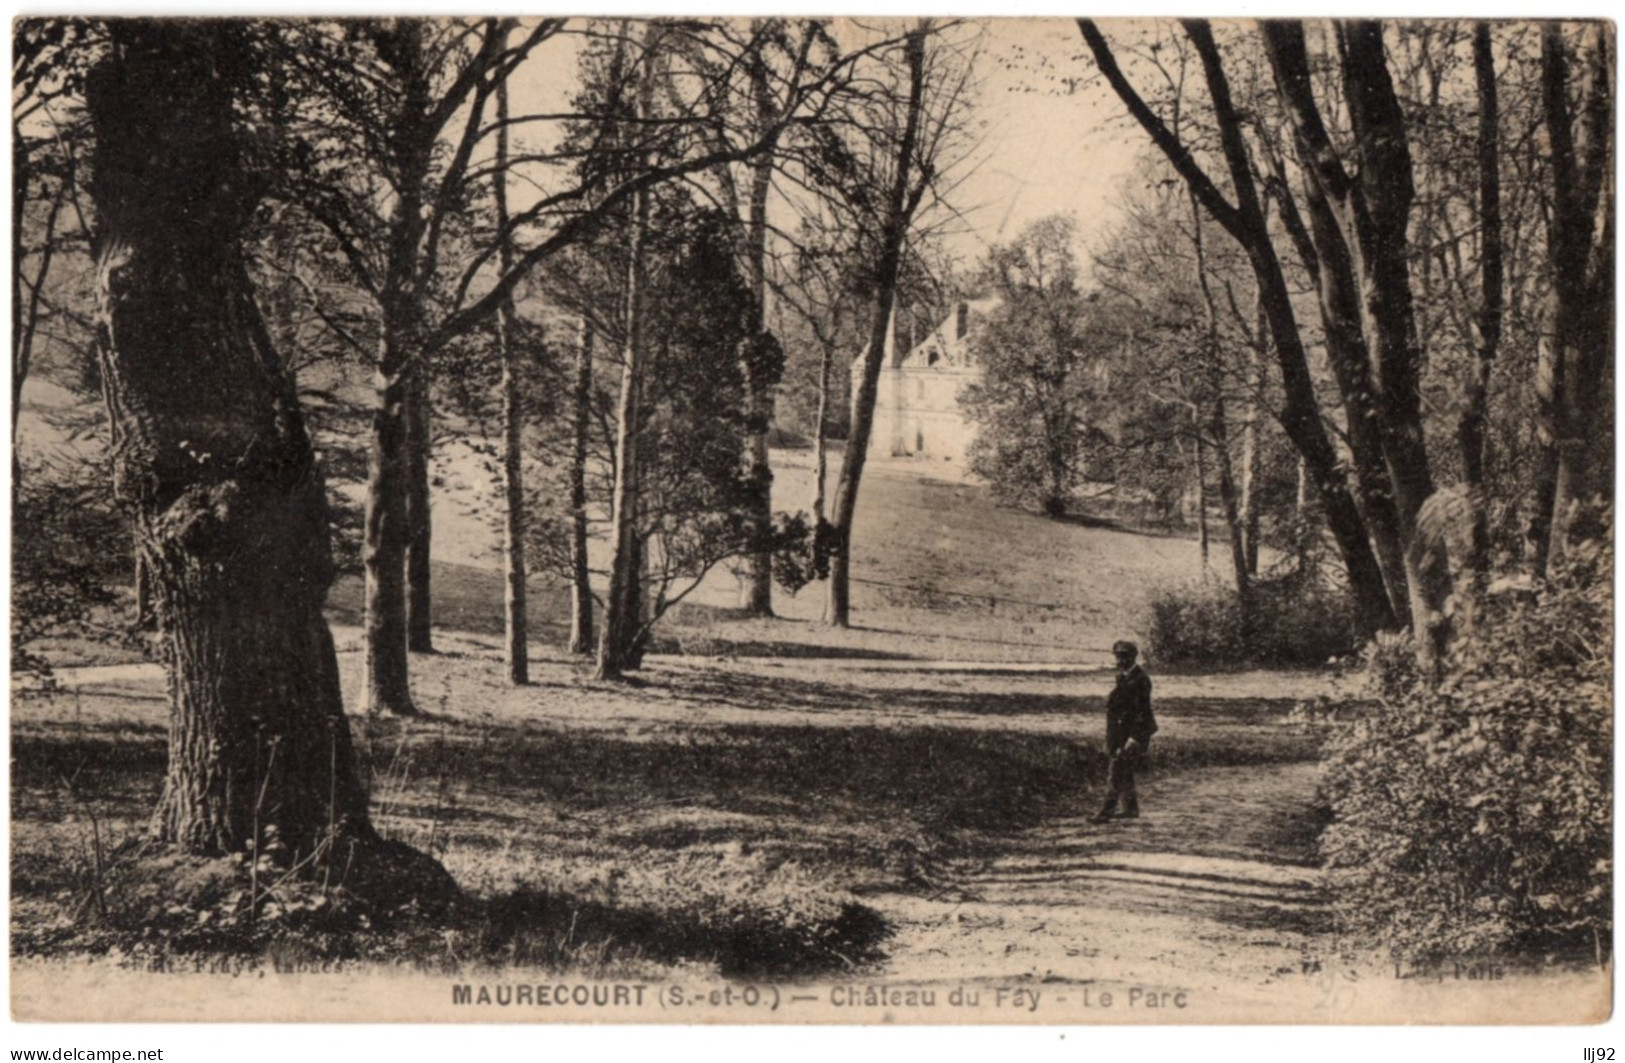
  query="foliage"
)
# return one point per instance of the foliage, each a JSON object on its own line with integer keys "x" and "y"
{"x": 694, "y": 493}
{"x": 823, "y": 324}
{"x": 1039, "y": 352}
{"x": 1474, "y": 815}
{"x": 751, "y": 912}
{"x": 1176, "y": 377}
{"x": 1293, "y": 621}
{"x": 70, "y": 550}
{"x": 1389, "y": 666}
{"x": 801, "y": 552}
{"x": 747, "y": 912}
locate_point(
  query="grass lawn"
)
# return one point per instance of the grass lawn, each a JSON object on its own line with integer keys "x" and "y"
{"x": 939, "y": 571}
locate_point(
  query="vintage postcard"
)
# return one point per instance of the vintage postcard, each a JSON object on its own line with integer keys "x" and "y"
{"x": 777, "y": 520}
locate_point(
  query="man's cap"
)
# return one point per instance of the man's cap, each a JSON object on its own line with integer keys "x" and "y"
{"x": 1125, "y": 646}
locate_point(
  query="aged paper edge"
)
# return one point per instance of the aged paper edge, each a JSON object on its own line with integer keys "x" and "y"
{"x": 54, "y": 992}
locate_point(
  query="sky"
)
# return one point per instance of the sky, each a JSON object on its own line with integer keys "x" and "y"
{"x": 1052, "y": 144}
{"x": 1049, "y": 141}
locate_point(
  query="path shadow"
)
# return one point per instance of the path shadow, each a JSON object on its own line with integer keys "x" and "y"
{"x": 528, "y": 928}
{"x": 980, "y": 641}
{"x": 1148, "y": 531}
{"x": 778, "y": 692}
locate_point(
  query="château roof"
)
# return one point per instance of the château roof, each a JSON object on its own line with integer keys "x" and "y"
{"x": 947, "y": 345}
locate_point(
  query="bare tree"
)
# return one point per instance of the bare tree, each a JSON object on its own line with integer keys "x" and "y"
{"x": 417, "y": 117}
{"x": 1370, "y": 209}
{"x": 398, "y": 108}
{"x": 1217, "y": 427}
{"x": 912, "y": 160}
{"x": 816, "y": 286}
{"x": 516, "y": 640}
{"x": 1574, "y": 381}
{"x": 1470, "y": 426}
{"x": 44, "y": 174}
{"x": 775, "y": 53}
{"x": 1244, "y": 220}
{"x": 581, "y": 596}
{"x": 1330, "y": 266}
{"x": 623, "y": 600}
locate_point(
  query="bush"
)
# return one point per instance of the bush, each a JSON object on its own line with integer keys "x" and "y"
{"x": 70, "y": 549}
{"x": 751, "y": 913}
{"x": 1474, "y": 816}
{"x": 1293, "y": 622}
{"x": 1388, "y": 666}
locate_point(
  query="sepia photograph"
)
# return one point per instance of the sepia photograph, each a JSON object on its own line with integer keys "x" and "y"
{"x": 772, "y": 519}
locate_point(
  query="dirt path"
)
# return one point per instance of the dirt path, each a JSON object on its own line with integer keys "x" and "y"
{"x": 1213, "y": 888}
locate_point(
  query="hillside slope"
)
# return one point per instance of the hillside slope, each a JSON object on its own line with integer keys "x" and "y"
{"x": 939, "y": 572}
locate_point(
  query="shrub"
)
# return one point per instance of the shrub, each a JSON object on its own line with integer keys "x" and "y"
{"x": 70, "y": 548}
{"x": 1388, "y": 666}
{"x": 1293, "y": 622}
{"x": 751, "y": 912}
{"x": 801, "y": 550}
{"x": 1474, "y": 816}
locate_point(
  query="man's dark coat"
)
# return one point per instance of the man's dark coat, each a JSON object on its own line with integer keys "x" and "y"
{"x": 1128, "y": 711}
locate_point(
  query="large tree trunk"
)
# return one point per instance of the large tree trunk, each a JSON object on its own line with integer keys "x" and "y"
{"x": 386, "y": 534}
{"x": 1338, "y": 290}
{"x": 617, "y": 643}
{"x": 1300, "y": 415}
{"x": 419, "y": 518}
{"x": 581, "y": 627}
{"x": 212, "y": 456}
{"x": 1300, "y": 419}
{"x": 839, "y": 607}
{"x": 621, "y": 600}
{"x": 516, "y": 642}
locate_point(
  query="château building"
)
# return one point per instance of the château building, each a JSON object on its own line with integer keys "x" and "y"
{"x": 917, "y": 409}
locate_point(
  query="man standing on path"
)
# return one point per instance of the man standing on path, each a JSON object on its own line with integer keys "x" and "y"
{"x": 1129, "y": 727}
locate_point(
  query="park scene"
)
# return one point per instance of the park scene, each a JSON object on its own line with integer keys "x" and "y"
{"x": 1008, "y": 520}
